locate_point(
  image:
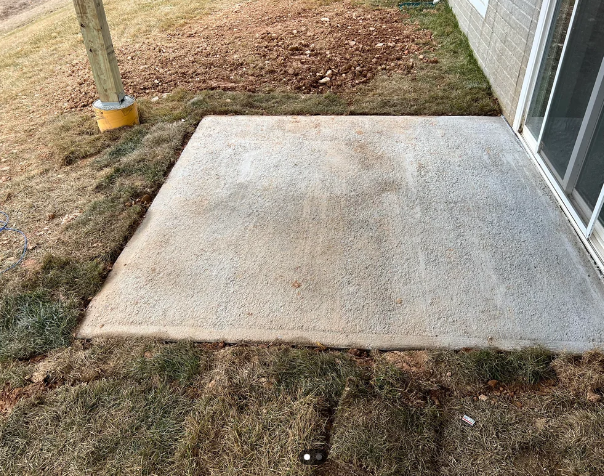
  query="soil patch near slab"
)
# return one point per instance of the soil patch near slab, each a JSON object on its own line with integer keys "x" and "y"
{"x": 263, "y": 46}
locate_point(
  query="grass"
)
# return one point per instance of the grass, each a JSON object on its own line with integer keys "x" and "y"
{"x": 96, "y": 187}
{"x": 138, "y": 406}
{"x": 454, "y": 86}
{"x": 132, "y": 406}
{"x": 105, "y": 427}
{"x": 531, "y": 440}
{"x": 32, "y": 323}
{"x": 385, "y": 424}
{"x": 527, "y": 366}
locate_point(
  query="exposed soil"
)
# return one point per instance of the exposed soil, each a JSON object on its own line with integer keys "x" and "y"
{"x": 9, "y": 397}
{"x": 262, "y": 46}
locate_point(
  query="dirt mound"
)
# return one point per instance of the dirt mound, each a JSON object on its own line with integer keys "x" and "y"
{"x": 262, "y": 46}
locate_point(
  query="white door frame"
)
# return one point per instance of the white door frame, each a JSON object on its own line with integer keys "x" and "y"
{"x": 544, "y": 24}
{"x": 532, "y": 68}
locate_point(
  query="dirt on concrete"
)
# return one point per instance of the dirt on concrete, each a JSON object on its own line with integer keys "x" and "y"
{"x": 262, "y": 46}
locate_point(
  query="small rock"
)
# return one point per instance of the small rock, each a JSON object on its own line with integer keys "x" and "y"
{"x": 421, "y": 57}
{"x": 482, "y": 397}
{"x": 325, "y": 19}
{"x": 449, "y": 374}
{"x": 352, "y": 43}
{"x": 39, "y": 376}
{"x": 593, "y": 397}
{"x": 324, "y": 80}
{"x": 70, "y": 217}
{"x": 155, "y": 99}
{"x": 540, "y": 423}
{"x": 379, "y": 45}
{"x": 146, "y": 199}
{"x": 329, "y": 73}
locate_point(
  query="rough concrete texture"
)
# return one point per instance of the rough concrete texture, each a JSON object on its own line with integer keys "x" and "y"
{"x": 372, "y": 232}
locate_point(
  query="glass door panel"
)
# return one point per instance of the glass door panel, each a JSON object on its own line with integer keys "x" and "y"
{"x": 549, "y": 65}
{"x": 591, "y": 177}
{"x": 574, "y": 85}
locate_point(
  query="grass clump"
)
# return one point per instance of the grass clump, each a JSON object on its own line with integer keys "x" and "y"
{"x": 13, "y": 373}
{"x": 145, "y": 166}
{"x": 254, "y": 418}
{"x": 129, "y": 143}
{"x": 582, "y": 376}
{"x": 382, "y": 427}
{"x": 527, "y": 366}
{"x": 539, "y": 438}
{"x": 251, "y": 434}
{"x": 575, "y": 442}
{"x": 105, "y": 427}
{"x": 76, "y": 136}
{"x": 70, "y": 278}
{"x": 305, "y": 372}
{"x": 455, "y": 85}
{"x": 505, "y": 440}
{"x": 32, "y": 323}
{"x": 181, "y": 362}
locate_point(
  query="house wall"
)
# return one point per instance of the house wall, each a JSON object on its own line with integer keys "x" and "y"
{"x": 502, "y": 43}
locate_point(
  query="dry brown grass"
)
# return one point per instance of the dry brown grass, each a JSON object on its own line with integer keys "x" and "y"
{"x": 145, "y": 407}
{"x": 135, "y": 406}
{"x": 79, "y": 194}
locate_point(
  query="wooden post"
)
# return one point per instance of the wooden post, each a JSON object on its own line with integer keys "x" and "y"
{"x": 97, "y": 39}
{"x": 113, "y": 109}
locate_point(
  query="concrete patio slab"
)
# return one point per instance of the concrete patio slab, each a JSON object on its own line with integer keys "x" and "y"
{"x": 372, "y": 232}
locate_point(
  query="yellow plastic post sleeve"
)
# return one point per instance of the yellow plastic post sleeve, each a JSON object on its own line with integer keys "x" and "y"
{"x": 115, "y": 118}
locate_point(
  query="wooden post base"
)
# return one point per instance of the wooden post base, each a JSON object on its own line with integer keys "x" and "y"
{"x": 111, "y": 115}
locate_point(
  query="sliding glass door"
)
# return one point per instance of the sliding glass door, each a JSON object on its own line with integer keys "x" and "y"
{"x": 564, "y": 119}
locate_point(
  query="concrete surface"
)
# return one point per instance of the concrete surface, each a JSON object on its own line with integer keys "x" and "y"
{"x": 382, "y": 232}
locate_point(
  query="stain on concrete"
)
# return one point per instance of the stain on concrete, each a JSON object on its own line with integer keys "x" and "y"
{"x": 420, "y": 231}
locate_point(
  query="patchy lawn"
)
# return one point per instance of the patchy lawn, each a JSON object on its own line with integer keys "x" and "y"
{"x": 144, "y": 407}
{"x": 79, "y": 194}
